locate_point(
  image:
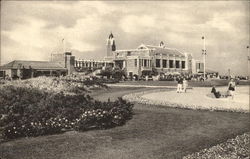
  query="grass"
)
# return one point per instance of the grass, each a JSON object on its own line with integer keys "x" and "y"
{"x": 154, "y": 132}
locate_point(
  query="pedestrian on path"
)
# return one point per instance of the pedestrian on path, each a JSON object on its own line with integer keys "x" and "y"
{"x": 179, "y": 84}
{"x": 185, "y": 84}
{"x": 231, "y": 87}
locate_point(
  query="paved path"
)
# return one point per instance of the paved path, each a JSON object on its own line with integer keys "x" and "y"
{"x": 199, "y": 98}
{"x": 138, "y": 85}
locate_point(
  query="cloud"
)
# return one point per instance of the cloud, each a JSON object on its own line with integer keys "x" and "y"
{"x": 137, "y": 24}
{"x": 34, "y": 29}
{"x": 37, "y": 33}
{"x": 84, "y": 30}
{"x": 28, "y": 34}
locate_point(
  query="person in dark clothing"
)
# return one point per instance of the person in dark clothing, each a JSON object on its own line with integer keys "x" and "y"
{"x": 179, "y": 85}
{"x": 216, "y": 93}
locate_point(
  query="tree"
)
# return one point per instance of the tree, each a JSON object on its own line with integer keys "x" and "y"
{"x": 118, "y": 73}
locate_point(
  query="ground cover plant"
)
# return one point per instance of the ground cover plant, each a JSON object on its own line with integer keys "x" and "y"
{"x": 236, "y": 148}
{"x": 66, "y": 84}
{"x": 40, "y": 106}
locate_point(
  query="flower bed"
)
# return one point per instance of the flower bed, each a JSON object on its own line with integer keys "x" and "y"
{"x": 67, "y": 84}
{"x": 237, "y": 148}
{"x": 137, "y": 97}
{"x": 32, "y": 109}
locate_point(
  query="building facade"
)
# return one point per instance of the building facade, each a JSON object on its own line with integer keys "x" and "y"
{"x": 92, "y": 64}
{"x": 148, "y": 59}
{"x": 60, "y": 64}
{"x": 28, "y": 69}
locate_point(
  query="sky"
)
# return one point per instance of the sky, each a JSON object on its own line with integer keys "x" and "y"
{"x": 32, "y": 30}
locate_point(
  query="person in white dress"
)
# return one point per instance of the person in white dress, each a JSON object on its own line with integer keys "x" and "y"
{"x": 185, "y": 84}
{"x": 231, "y": 88}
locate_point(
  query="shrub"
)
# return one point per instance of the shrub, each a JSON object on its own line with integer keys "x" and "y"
{"x": 67, "y": 84}
{"x": 33, "y": 112}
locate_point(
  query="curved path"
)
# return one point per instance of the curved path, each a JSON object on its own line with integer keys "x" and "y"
{"x": 196, "y": 98}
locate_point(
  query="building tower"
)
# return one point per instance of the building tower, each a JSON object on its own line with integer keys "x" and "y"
{"x": 110, "y": 44}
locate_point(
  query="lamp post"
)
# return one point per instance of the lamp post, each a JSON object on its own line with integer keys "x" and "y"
{"x": 248, "y": 60}
{"x": 204, "y": 52}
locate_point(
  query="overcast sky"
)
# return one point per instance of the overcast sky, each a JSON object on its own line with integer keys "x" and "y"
{"x": 33, "y": 30}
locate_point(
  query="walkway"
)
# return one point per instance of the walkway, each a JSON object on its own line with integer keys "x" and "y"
{"x": 197, "y": 98}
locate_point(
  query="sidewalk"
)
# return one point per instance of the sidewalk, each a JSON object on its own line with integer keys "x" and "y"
{"x": 142, "y": 86}
{"x": 197, "y": 98}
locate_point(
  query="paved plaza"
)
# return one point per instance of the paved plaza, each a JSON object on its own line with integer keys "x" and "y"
{"x": 198, "y": 98}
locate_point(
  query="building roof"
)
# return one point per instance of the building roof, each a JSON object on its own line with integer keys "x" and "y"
{"x": 162, "y": 50}
{"x": 43, "y": 65}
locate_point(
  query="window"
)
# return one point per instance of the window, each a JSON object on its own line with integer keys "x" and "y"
{"x": 171, "y": 64}
{"x": 183, "y": 64}
{"x": 141, "y": 62}
{"x": 177, "y": 64}
{"x": 158, "y": 62}
{"x": 145, "y": 63}
{"x": 164, "y": 63}
{"x": 128, "y": 53}
{"x": 135, "y": 62}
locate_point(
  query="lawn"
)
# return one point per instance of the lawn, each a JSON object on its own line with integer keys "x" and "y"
{"x": 154, "y": 132}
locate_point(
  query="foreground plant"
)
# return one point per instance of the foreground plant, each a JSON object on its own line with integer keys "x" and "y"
{"x": 32, "y": 111}
{"x": 237, "y": 148}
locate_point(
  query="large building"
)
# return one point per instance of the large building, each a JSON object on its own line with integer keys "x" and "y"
{"x": 143, "y": 60}
{"x": 146, "y": 59}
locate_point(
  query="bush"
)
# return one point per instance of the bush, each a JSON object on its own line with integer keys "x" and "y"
{"x": 33, "y": 112}
{"x": 233, "y": 148}
{"x": 67, "y": 85}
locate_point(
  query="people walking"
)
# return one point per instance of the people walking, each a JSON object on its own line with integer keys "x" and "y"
{"x": 185, "y": 84}
{"x": 179, "y": 84}
{"x": 231, "y": 88}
